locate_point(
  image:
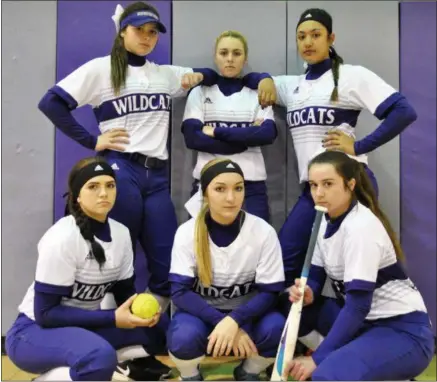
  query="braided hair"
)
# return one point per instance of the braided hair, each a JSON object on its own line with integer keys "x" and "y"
{"x": 324, "y": 18}
{"x": 336, "y": 62}
{"x": 83, "y": 221}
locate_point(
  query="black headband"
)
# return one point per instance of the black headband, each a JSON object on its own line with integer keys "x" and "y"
{"x": 86, "y": 173}
{"x": 318, "y": 15}
{"x": 217, "y": 169}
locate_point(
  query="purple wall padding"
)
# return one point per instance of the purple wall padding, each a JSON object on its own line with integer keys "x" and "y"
{"x": 85, "y": 30}
{"x": 418, "y": 147}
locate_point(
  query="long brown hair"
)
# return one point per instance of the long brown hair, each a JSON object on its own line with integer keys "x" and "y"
{"x": 364, "y": 192}
{"x": 119, "y": 57}
{"x": 82, "y": 220}
{"x": 336, "y": 62}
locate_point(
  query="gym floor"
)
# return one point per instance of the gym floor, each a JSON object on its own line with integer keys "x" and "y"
{"x": 219, "y": 369}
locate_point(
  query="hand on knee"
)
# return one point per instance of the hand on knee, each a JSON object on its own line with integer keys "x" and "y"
{"x": 244, "y": 346}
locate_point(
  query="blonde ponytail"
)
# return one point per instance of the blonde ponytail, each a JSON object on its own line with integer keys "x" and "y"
{"x": 201, "y": 236}
{"x": 201, "y": 248}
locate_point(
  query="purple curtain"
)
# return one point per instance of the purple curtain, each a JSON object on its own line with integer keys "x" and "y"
{"x": 418, "y": 147}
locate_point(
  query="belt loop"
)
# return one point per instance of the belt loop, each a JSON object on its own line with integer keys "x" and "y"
{"x": 145, "y": 162}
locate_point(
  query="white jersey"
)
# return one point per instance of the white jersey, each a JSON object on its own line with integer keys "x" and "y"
{"x": 142, "y": 107}
{"x": 311, "y": 113}
{"x": 361, "y": 256}
{"x": 65, "y": 260}
{"x": 252, "y": 262}
{"x": 239, "y": 110}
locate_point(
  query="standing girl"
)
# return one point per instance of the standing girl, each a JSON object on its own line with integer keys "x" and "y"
{"x": 131, "y": 99}
{"x": 323, "y": 106}
{"x": 226, "y": 120}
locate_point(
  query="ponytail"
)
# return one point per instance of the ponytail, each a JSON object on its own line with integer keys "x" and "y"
{"x": 83, "y": 222}
{"x": 336, "y": 62}
{"x": 201, "y": 236}
{"x": 73, "y": 208}
{"x": 364, "y": 191}
{"x": 119, "y": 55}
{"x": 201, "y": 248}
{"x": 366, "y": 195}
{"x": 119, "y": 64}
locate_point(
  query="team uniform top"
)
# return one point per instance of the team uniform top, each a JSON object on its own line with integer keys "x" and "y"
{"x": 142, "y": 107}
{"x": 359, "y": 255}
{"x": 252, "y": 263}
{"x": 310, "y": 113}
{"x": 238, "y": 110}
{"x": 66, "y": 266}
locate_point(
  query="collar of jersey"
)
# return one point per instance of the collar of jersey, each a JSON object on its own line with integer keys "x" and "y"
{"x": 229, "y": 86}
{"x": 101, "y": 230}
{"x": 315, "y": 71}
{"x": 232, "y": 230}
{"x": 134, "y": 60}
{"x": 334, "y": 224}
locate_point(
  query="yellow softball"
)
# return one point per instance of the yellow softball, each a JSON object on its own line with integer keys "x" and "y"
{"x": 145, "y": 306}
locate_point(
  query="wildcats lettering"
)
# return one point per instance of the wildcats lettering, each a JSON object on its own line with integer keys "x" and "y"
{"x": 322, "y": 116}
{"x": 141, "y": 102}
{"x": 90, "y": 292}
{"x": 228, "y": 124}
{"x": 133, "y": 103}
{"x": 230, "y": 292}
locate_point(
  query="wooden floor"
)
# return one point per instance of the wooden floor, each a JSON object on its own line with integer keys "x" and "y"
{"x": 214, "y": 369}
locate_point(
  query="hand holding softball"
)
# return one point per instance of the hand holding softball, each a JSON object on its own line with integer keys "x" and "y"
{"x": 127, "y": 319}
{"x": 295, "y": 294}
{"x": 222, "y": 338}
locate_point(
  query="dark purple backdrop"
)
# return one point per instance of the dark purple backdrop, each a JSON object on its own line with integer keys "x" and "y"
{"x": 418, "y": 147}
{"x": 85, "y": 30}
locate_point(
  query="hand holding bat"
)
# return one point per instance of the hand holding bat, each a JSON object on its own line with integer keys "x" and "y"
{"x": 300, "y": 368}
{"x": 288, "y": 341}
{"x": 295, "y": 294}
